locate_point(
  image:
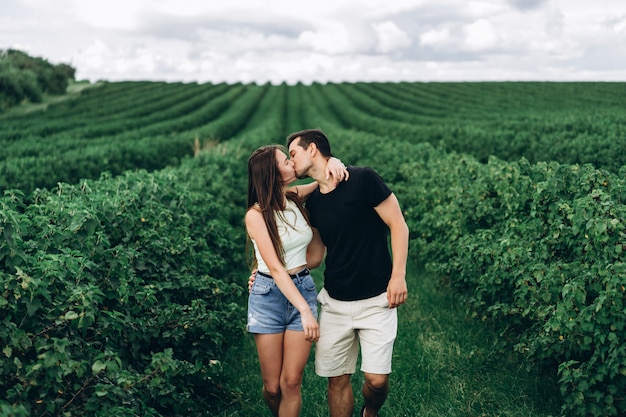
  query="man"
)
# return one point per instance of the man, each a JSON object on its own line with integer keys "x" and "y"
{"x": 362, "y": 283}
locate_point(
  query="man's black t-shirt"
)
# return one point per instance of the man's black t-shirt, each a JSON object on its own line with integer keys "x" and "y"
{"x": 358, "y": 262}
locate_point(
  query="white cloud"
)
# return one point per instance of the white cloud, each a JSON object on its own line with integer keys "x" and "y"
{"x": 436, "y": 37}
{"x": 112, "y": 14}
{"x": 96, "y": 55}
{"x": 332, "y": 38}
{"x": 325, "y": 40}
{"x": 480, "y": 35}
{"x": 619, "y": 26}
{"x": 391, "y": 37}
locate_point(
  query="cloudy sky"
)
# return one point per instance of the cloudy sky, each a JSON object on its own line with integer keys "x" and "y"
{"x": 323, "y": 40}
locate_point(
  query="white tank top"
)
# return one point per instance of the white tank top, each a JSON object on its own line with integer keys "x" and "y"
{"x": 295, "y": 235}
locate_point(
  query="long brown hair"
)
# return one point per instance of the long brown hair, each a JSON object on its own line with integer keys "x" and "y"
{"x": 265, "y": 188}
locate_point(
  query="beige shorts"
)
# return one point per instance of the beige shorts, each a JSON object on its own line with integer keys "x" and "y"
{"x": 346, "y": 324}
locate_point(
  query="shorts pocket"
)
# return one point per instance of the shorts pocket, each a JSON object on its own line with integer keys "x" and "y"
{"x": 309, "y": 284}
{"x": 382, "y": 301}
{"x": 259, "y": 288}
{"x": 321, "y": 296}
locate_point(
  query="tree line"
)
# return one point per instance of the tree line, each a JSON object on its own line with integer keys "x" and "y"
{"x": 26, "y": 78}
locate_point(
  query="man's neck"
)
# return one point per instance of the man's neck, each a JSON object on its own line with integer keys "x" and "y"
{"x": 318, "y": 173}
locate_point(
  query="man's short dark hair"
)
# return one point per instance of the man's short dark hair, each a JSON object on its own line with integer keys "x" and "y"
{"x": 309, "y": 136}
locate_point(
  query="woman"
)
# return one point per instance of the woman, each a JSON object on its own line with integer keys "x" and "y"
{"x": 282, "y": 306}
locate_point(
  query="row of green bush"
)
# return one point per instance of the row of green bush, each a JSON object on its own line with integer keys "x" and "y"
{"x": 154, "y": 146}
{"x": 537, "y": 249}
{"x": 573, "y": 133}
{"x": 117, "y": 295}
{"x": 129, "y": 121}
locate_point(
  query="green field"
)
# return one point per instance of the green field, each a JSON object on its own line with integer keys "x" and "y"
{"x": 123, "y": 270}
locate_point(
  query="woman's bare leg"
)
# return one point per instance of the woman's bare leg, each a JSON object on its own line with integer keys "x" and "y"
{"x": 270, "y": 350}
{"x": 295, "y": 356}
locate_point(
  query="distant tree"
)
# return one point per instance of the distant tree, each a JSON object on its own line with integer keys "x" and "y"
{"x": 67, "y": 70}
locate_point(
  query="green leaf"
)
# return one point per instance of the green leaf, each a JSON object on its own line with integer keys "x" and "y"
{"x": 98, "y": 366}
{"x": 7, "y": 351}
{"x": 71, "y": 315}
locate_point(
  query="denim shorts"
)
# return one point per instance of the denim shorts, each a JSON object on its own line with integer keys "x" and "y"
{"x": 269, "y": 311}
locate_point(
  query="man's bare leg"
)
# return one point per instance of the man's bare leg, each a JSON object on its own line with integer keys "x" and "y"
{"x": 340, "y": 396}
{"x": 375, "y": 390}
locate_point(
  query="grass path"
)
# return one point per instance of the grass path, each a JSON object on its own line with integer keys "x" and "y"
{"x": 444, "y": 365}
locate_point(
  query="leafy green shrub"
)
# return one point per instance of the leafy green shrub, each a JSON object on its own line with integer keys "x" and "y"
{"x": 116, "y": 297}
{"x": 537, "y": 249}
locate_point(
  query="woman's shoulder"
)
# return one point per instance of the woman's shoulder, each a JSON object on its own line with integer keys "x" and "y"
{"x": 253, "y": 211}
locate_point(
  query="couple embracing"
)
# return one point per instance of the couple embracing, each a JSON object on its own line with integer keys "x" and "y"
{"x": 348, "y": 216}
